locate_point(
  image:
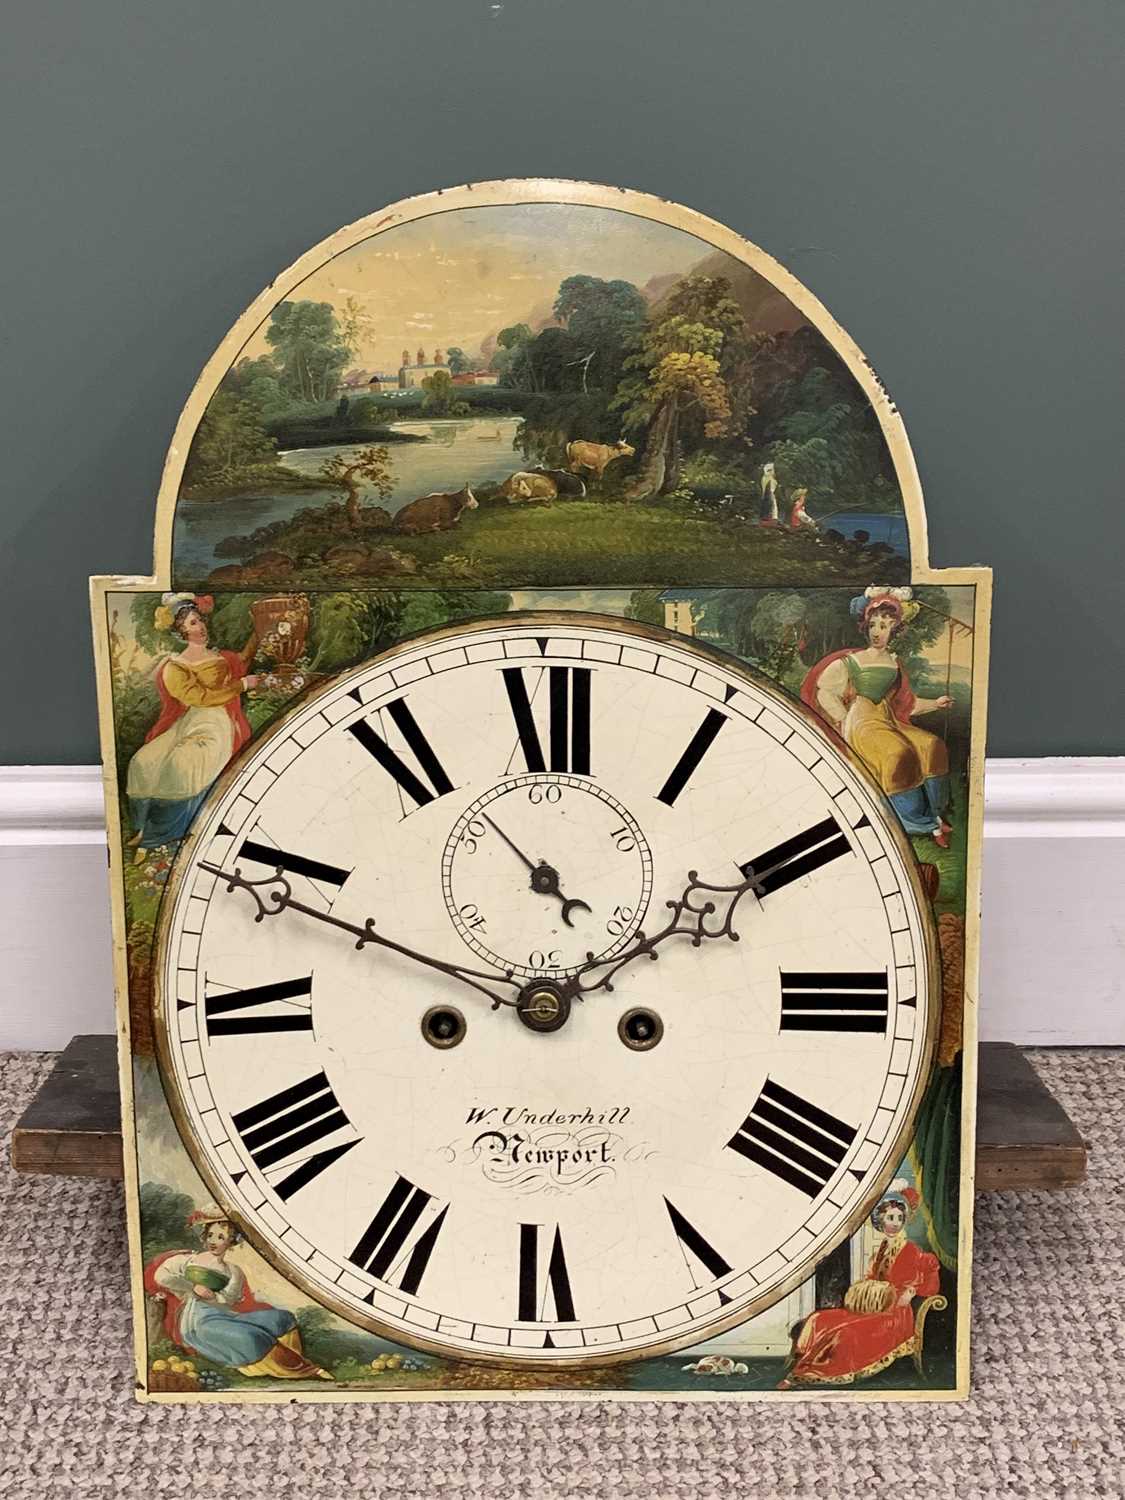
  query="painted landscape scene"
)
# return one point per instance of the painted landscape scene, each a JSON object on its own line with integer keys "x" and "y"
{"x": 537, "y": 395}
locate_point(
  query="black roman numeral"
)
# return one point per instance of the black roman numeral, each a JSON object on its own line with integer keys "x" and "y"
{"x": 382, "y": 1242}
{"x": 697, "y": 747}
{"x": 834, "y": 1002}
{"x": 290, "y": 1120}
{"x": 568, "y": 710}
{"x": 558, "y": 1278}
{"x": 793, "y": 1139}
{"x": 798, "y": 856}
{"x": 691, "y": 1239}
{"x": 312, "y": 1167}
{"x": 430, "y": 767}
{"x": 294, "y": 864}
{"x": 221, "y": 1022}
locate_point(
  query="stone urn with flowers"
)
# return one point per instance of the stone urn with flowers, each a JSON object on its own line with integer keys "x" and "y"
{"x": 282, "y": 626}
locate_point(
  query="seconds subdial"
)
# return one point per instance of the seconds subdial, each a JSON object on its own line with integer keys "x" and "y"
{"x": 545, "y": 870}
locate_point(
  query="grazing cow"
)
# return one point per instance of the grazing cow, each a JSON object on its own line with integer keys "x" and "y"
{"x": 596, "y": 456}
{"x": 437, "y": 512}
{"x": 529, "y": 486}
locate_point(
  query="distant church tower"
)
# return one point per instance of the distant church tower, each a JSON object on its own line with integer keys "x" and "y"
{"x": 421, "y": 356}
{"x": 439, "y": 358}
{"x": 406, "y": 356}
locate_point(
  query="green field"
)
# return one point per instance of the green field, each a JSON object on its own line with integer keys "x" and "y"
{"x": 585, "y": 542}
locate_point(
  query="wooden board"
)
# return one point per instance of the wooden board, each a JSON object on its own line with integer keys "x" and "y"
{"x": 72, "y": 1128}
{"x": 1025, "y": 1139}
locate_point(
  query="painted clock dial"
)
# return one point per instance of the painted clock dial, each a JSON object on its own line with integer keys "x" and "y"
{"x": 546, "y": 990}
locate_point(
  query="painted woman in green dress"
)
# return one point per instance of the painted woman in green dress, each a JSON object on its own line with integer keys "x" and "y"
{"x": 866, "y": 697}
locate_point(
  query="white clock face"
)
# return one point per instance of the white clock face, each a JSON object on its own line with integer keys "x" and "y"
{"x": 546, "y": 990}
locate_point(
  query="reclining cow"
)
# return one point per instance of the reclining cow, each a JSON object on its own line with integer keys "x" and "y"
{"x": 437, "y": 512}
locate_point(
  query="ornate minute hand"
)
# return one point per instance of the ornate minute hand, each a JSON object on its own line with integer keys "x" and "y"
{"x": 689, "y": 919}
{"x": 274, "y": 894}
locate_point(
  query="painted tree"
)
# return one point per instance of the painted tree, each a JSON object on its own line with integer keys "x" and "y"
{"x": 827, "y": 439}
{"x": 644, "y": 604}
{"x": 346, "y": 471}
{"x": 605, "y": 320}
{"x": 773, "y": 632}
{"x": 440, "y": 398}
{"x": 163, "y": 1218}
{"x": 230, "y": 437}
{"x": 681, "y": 377}
{"x": 689, "y": 379}
{"x": 457, "y": 360}
{"x": 256, "y": 381}
{"x": 510, "y": 342}
{"x": 439, "y": 392}
{"x": 356, "y": 325}
{"x": 549, "y": 362}
{"x": 308, "y": 348}
{"x": 345, "y": 628}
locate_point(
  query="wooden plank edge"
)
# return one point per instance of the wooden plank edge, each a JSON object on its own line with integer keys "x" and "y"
{"x": 1044, "y": 1152}
{"x": 68, "y": 1153}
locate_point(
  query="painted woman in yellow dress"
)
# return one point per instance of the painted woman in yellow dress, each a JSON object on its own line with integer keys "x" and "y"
{"x": 865, "y": 695}
{"x": 201, "y": 726}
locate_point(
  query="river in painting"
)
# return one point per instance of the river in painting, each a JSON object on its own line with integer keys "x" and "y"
{"x": 475, "y": 450}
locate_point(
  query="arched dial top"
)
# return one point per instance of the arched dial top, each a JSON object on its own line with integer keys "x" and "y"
{"x": 601, "y": 810}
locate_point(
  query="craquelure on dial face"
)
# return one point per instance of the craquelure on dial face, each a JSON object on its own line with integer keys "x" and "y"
{"x": 524, "y": 832}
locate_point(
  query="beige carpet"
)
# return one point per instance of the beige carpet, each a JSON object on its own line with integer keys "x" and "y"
{"x": 1046, "y": 1419}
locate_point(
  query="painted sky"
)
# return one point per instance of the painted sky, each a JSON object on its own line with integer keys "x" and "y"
{"x": 455, "y": 278}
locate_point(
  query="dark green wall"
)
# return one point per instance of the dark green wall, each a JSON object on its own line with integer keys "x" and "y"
{"x": 947, "y": 178}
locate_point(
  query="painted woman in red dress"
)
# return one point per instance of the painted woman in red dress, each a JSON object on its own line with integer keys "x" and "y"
{"x": 200, "y": 729}
{"x": 875, "y": 1326}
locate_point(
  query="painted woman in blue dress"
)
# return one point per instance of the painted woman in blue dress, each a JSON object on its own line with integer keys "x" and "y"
{"x": 210, "y": 1310}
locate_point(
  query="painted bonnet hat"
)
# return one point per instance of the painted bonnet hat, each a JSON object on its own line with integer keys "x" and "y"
{"x": 899, "y": 599}
{"x": 901, "y": 1193}
{"x": 211, "y": 1214}
{"x": 171, "y": 604}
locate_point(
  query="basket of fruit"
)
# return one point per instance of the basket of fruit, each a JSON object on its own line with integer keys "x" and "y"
{"x": 173, "y": 1374}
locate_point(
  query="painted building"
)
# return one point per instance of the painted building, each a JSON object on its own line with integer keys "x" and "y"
{"x": 477, "y": 377}
{"x": 683, "y": 609}
{"x": 412, "y": 374}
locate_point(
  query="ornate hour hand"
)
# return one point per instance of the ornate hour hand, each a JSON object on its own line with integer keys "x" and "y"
{"x": 689, "y": 919}
{"x": 274, "y": 894}
{"x": 544, "y": 877}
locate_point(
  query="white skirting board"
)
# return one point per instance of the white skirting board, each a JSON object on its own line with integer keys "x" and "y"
{"x": 1053, "y": 952}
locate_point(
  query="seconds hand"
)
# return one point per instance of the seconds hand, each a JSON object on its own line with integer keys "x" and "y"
{"x": 544, "y": 877}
